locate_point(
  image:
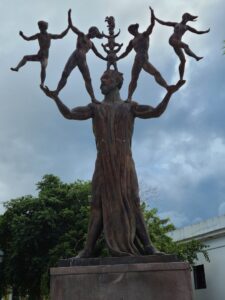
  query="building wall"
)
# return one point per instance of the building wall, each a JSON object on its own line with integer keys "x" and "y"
{"x": 214, "y": 271}
{"x": 212, "y": 233}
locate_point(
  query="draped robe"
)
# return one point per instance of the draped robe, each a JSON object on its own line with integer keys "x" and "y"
{"x": 114, "y": 184}
{"x": 115, "y": 191}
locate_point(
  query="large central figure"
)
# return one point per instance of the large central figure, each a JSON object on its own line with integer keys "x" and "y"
{"x": 115, "y": 207}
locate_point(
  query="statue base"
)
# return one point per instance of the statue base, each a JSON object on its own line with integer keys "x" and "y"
{"x": 126, "y": 278}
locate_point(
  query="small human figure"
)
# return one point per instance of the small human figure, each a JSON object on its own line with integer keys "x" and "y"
{"x": 140, "y": 44}
{"x": 111, "y": 38}
{"x": 110, "y": 47}
{"x": 111, "y": 54}
{"x": 175, "y": 39}
{"x": 44, "y": 39}
{"x": 78, "y": 57}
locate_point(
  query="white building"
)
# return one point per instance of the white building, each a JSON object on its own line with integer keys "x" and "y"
{"x": 208, "y": 278}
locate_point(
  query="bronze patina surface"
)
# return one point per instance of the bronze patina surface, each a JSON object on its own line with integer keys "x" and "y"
{"x": 115, "y": 206}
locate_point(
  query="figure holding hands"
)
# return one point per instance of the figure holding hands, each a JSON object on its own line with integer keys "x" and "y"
{"x": 78, "y": 57}
{"x": 176, "y": 39}
{"x": 140, "y": 44}
{"x": 44, "y": 39}
{"x": 111, "y": 55}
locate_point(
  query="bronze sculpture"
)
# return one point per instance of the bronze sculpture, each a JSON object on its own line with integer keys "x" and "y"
{"x": 78, "y": 57}
{"x": 44, "y": 39}
{"x": 110, "y": 47}
{"x": 176, "y": 42}
{"x": 115, "y": 207}
{"x": 140, "y": 43}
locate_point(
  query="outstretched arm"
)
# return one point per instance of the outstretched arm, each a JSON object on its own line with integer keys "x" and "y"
{"x": 150, "y": 28}
{"x": 119, "y": 47}
{"x": 94, "y": 49}
{"x": 77, "y": 113}
{"x": 75, "y": 29}
{"x": 172, "y": 24}
{"x": 105, "y": 48}
{"x": 61, "y": 35}
{"x": 147, "y": 112}
{"x": 197, "y": 31}
{"x": 28, "y": 38}
{"x": 127, "y": 51}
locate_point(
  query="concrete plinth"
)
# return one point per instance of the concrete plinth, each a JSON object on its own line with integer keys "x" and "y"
{"x": 123, "y": 281}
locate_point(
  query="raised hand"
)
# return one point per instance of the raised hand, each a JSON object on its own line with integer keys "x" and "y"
{"x": 69, "y": 17}
{"x": 51, "y": 94}
{"x": 152, "y": 11}
{"x": 173, "y": 88}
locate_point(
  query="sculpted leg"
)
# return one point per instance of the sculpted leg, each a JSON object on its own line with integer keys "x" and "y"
{"x": 44, "y": 64}
{"x": 181, "y": 56}
{"x": 24, "y": 60}
{"x": 115, "y": 66}
{"x": 70, "y": 65}
{"x": 191, "y": 53}
{"x": 94, "y": 231}
{"x": 136, "y": 69}
{"x": 143, "y": 236}
{"x": 149, "y": 68}
{"x": 83, "y": 67}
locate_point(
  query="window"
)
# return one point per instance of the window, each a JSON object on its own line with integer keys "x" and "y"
{"x": 199, "y": 277}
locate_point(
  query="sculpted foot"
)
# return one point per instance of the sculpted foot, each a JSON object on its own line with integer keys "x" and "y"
{"x": 51, "y": 94}
{"x": 85, "y": 253}
{"x": 174, "y": 88}
{"x": 151, "y": 250}
{"x": 180, "y": 83}
{"x": 56, "y": 92}
{"x": 198, "y": 58}
{"x": 93, "y": 100}
{"x": 14, "y": 69}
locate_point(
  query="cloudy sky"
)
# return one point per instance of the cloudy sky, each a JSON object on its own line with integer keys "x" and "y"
{"x": 179, "y": 157}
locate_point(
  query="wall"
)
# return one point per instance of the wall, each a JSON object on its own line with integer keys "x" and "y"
{"x": 214, "y": 271}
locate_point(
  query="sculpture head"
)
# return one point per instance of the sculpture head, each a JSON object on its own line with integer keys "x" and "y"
{"x": 43, "y": 26}
{"x": 111, "y": 22}
{"x": 188, "y": 17}
{"x": 93, "y": 32}
{"x": 133, "y": 29}
{"x": 110, "y": 80}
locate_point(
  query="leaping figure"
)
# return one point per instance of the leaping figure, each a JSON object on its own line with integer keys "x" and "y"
{"x": 44, "y": 39}
{"x": 175, "y": 39}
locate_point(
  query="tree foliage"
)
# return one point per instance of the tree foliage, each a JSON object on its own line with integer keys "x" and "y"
{"x": 158, "y": 230}
{"x": 35, "y": 232}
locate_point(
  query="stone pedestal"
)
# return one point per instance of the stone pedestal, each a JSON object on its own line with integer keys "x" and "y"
{"x": 133, "y": 278}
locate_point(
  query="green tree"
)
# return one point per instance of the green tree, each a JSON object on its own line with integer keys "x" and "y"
{"x": 35, "y": 232}
{"x": 158, "y": 230}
